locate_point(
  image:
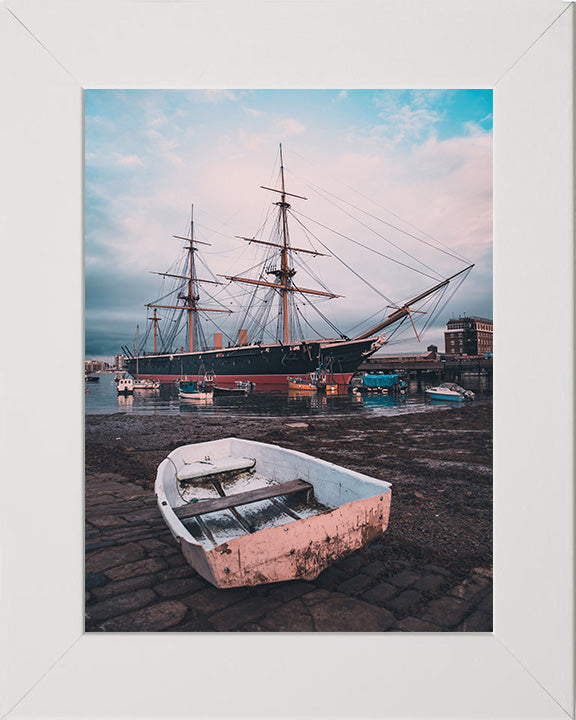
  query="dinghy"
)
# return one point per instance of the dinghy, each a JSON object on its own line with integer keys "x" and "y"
{"x": 248, "y": 513}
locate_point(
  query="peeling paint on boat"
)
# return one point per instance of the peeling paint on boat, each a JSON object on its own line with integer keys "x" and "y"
{"x": 275, "y": 539}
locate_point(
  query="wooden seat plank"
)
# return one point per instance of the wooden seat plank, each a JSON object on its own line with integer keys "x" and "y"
{"x": 244, "y": 498}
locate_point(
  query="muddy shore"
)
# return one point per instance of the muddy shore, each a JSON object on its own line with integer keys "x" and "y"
{"x": 440, "y": 467}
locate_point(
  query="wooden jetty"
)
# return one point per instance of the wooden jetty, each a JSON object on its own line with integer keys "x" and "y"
{"x": 447, "y": 367}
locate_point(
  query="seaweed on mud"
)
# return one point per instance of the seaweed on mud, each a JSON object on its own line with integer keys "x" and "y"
{"x": 439, "y": 464}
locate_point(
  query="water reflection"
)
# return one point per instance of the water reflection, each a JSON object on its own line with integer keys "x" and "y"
{"x": 189, "y": 404}
{"x": 103, "y": 398}
{"x": 382, "y": 401}
{"x": 125, "y": 401}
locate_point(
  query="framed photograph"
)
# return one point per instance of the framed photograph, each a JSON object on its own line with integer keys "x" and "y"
{"x": 56, "y": 53}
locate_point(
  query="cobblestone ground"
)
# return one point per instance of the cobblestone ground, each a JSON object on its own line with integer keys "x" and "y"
{"x": 138, "y": 580}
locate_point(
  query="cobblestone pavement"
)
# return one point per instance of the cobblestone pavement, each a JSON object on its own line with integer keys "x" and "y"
{"x": 137, "y": 580}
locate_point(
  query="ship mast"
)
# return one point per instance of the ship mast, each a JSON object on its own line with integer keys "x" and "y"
{"x": 284, "y": 275}
{"x": 190, "y": 299}
{"x": 137, "y": 348}
{"x": 155, "y": 321}
{"x": 284, "y": 286}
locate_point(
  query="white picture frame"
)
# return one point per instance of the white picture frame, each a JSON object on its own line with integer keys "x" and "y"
{"x": 51, "y": 51}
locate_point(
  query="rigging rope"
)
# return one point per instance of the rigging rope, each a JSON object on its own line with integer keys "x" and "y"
{"x": 326, "y": 320}
{"x": 378, "y": 292}
{"x": 357, "y": 242}
{"x": 380, "y": 235}
{"x": 446, "y": 250}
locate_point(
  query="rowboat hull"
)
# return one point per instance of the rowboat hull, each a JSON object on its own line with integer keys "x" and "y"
{"x": 352, "y": 511}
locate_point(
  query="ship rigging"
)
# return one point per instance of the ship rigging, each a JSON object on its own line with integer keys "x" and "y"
{"x": 270, "y": 341}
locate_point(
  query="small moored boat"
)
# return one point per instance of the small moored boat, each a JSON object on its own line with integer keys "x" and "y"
{"x": 449, "y": 391}
{"x": 143, "y": 384}
{"x": 192, "y": 389}
{"x": 324, "y": 379}
{"x": 383, "y": 383}
{"x": 239, "y": 388}
{"x": 220, "y": 390}
{"x": 320, "y": 380}
{"x": 124, "y": 384}
{"x": 300, "y": 383}
{"x": 248, "y": 513}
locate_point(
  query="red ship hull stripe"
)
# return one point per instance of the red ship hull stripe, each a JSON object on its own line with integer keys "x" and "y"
{"x": 258, "y": 380}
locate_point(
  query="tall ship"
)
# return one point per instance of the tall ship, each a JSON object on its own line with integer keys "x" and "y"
{"x": 270, "y": 343}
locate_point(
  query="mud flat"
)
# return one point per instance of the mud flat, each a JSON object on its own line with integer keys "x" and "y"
{"x": 430, "y": 571}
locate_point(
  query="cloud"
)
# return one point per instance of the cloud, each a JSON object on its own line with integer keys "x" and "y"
{"x": 289, "y": 127}
{"x": 253, "y": 112}
{"x": 100, "y": 122}
{"x": 220, "y": 158}
{"x": 218, "y": 96}
{"x": 158, "y": 120}
{"x": 128, "y": 160}
{"x": 475, "y": 129}
{"x": 409, "y": 116}
{"x": 160, "y": 141}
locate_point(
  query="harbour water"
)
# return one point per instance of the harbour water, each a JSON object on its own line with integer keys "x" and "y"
{"x": 101, "y": 398}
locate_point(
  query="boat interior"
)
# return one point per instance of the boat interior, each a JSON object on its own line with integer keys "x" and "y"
{"x": 229, "y": 488}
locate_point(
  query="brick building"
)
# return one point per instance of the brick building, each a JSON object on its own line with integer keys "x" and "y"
{"x": 469, "y": 336}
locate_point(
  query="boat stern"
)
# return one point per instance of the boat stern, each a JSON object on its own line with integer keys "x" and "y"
{"x": 296, "y": 551}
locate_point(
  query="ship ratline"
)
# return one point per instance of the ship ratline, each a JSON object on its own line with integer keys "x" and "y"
{"x": 265, "y": 364}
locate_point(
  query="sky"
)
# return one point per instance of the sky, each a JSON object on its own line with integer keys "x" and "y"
{"x": 398, "y": 186}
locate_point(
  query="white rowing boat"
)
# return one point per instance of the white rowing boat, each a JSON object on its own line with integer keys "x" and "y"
{"x": 247, "y": 513}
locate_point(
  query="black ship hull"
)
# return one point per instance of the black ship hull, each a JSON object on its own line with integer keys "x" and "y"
{"x": 265, "y": 365}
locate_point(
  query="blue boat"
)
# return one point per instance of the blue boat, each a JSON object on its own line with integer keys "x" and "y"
{"x": 194, "y": 390}
{"x": 382, "y": 383}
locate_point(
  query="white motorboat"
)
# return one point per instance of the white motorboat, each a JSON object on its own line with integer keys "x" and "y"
{"x": 124, "y": 384}
{"x": 449, "y": 391}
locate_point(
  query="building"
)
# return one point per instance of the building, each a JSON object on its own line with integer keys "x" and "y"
{"x": 92, "y": 366}
{"x": 469, "y": 336}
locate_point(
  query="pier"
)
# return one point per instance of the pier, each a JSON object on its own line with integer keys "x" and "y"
{"x": 447, "y": 367}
